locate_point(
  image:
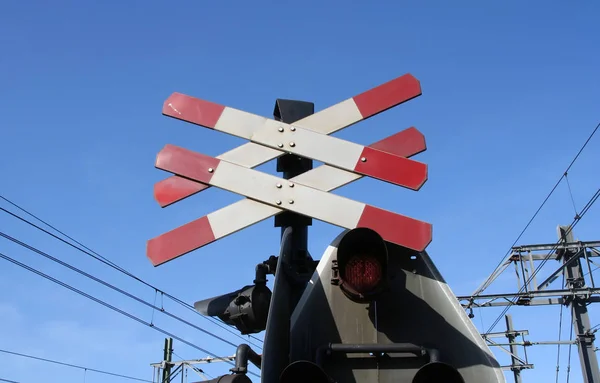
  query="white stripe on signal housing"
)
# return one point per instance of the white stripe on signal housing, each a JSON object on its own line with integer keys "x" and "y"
{"x": 315, "y": 282}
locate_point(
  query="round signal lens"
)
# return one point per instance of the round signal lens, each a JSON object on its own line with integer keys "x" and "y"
{"x": 363, "y": 273}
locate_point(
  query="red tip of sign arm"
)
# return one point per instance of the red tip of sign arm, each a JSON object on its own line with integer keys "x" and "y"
{"x": 186, "y": 163}
{"x": 174, "y": 189}
{"x": 194, "y": 110}
{"x": 391, "y": 168}
{"x": 396, "y": 228}
{"x": 179, "y": 241}
{"x": 406, "y": 143}
{"x": 388, "y": 95}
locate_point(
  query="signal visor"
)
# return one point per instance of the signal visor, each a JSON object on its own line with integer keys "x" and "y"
{"x": 361, "y": 266}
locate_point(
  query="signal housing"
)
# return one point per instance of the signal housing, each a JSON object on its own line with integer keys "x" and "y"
{"x": 247, "y": 308}
{"x": 361, "y": 266}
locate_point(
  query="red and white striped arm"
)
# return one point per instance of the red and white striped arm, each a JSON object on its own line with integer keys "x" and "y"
{"x": 327, "y": 121}
{"x": 246, "y": 212}
{"x": 268, "y": 195}
{"x": 287, "y": 138}
{"x": 405, "y": 143}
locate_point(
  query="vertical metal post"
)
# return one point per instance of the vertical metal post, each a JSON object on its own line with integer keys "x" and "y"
{"x": 290, "y": 111}
{"x": 532, "y": 266}
{"x": 276, "y": 346}
{"x": 589, "y": 267}
{"x": 167, "y": 357}
{"x": 578, "y": 305}
{"x": 294, "y": 266}
{"x": 514, "y": 351}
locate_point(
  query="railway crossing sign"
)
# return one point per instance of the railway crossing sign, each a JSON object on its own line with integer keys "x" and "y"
{"x": 306, "y": 194}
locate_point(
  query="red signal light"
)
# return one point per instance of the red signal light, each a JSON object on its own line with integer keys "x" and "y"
{"x": 361, "y": 265}
{"x": 363, "y": 273}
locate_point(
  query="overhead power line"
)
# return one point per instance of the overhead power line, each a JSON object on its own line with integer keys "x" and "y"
{"x": 86, "y": 250}
{"x": 113, "y": 287}
{"x": 9, "y": 381}
{"x": 74, "y": 366}
{"x": 564, "y": 174}
{"x": 576, "y": 220}
{"x": 116, "y": 309}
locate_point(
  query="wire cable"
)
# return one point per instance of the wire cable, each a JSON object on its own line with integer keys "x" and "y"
{"x": 571, "y": 193}
{"x": 9, "y": 381}
{"x": 113, "y": 287}
{"x": 74, "y": 366}
{"x": 184, "y": 365}
{"x": 564, "y": 174}
{"x": 86, "y": 250}
{"x": 576, "y": 220}
{"x": 116, "y": 309}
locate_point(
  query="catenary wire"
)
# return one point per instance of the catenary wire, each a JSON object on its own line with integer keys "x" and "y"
{"x": 571, "y": 193}
{"x": 9, "y": 381}
{"x": 74, "y": 366}
{"x": 86, "y": 250}
{"x": 198, "y": 370}
{"x": 488, "y": 280}
{"x": 113, "y": 287}
{"x": 116, "y": 309}
{"x": 576, "y": 220}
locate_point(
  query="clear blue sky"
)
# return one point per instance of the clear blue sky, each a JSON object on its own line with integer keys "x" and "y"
{"x": 510, "y": 92}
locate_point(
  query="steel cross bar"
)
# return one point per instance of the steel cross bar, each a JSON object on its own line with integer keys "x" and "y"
{"x": 561, "y": 269}
{"x": 267, "y": 196}
{"x": 327, "y": 121}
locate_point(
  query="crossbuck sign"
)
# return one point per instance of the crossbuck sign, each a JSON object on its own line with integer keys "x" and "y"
{"x": 306, "y": 194}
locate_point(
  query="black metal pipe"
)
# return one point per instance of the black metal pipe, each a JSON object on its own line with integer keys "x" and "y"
{"x": 325, "y": 350}
{"x": 434, "y": 355}
{"x": 276, "y": 346}
{"x": 243, "y": 354}
{"x": 260, "y": 276}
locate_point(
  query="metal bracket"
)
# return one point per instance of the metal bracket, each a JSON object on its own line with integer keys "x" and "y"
{"x": 335, "y": 273}
{"x": 375, "y": 349}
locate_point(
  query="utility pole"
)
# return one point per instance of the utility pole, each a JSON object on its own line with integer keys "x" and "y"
{"x": 182, "y": 366}
{"x": 575, "y": 293}
{"x": 167, "y": 357}
{"x": 510, "y": 334}
{"x": 578, "y": 305}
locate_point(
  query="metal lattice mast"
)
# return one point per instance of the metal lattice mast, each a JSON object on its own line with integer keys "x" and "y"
{"x": 576, "y": 294}
{"x": 578, "y": 304}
